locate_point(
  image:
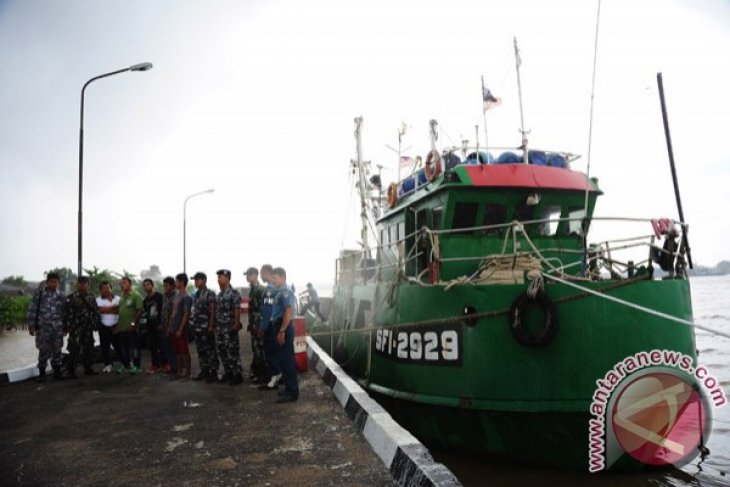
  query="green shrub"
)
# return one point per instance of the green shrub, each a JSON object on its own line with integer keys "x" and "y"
{"x": 13, "y": 309}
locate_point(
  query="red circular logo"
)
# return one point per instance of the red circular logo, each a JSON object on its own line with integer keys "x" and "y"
{"x": 659, "y": 419}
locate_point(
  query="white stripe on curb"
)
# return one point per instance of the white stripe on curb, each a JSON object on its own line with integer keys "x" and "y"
{"x": 408, "y": 460}
{"x": 20, "y": 374}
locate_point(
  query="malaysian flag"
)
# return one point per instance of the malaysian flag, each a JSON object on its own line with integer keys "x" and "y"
{"x": 490, "y": 101}
{"x": 406, "y": 161}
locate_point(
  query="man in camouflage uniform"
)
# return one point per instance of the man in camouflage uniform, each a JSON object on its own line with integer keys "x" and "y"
{"x": 82, "y": 317}
{"x": 204, "y": 329}
{"x": 228, "y": 323}
{"x": 259, "y": 370}
{"x": 45, "y": 323}
{"x": 168, "y": 297}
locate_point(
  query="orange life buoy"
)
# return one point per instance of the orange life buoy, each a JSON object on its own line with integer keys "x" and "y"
{"x": 433, "y": 165}
{"x": 392, "y": 195}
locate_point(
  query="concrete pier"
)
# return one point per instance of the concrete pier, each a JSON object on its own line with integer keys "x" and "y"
{"x": 146, "y": 430}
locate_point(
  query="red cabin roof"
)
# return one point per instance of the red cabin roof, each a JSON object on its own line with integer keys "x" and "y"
{"x": 526, "y": 176}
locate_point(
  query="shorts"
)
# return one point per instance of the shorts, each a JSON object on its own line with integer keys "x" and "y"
{"x": 180, "y": 344}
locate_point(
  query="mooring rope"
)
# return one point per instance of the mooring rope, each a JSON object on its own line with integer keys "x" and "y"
{"x": 637, "y": 306}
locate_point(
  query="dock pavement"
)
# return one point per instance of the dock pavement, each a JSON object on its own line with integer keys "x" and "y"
{"x": 145, "y": 430}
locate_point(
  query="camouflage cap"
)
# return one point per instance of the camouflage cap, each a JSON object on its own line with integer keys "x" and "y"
{"x": 200, "y": 275}
{"x": 252, "y": 271}
{"x": 224, "y": 272}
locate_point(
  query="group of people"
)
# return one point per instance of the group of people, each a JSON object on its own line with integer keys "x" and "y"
{"x": 173, "y": 318}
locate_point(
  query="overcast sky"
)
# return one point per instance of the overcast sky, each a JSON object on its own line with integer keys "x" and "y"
{"x": 257, "y": 100}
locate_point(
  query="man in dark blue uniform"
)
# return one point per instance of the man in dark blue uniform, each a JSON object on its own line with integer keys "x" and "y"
{"x": 268, "y": 331}
{"x": 281, "y": 320}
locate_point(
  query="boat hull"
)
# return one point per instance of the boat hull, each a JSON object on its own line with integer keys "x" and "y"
{"x": 485, "y": 391}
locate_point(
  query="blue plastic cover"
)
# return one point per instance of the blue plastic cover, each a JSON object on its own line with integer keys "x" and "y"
{"x": 508, "y": 158}
{"x": 408, "y": 185}
{"x": 537, "y": 157}
{"x": 556, "y": 160}
{"x": 451, "y": 160}
{"x": 484, "y": 157}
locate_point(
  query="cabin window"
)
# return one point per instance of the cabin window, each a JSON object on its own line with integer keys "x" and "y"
{"x": 575, "y": 225}
{"x": 549, "y": 228}
{"x": 421, "y": 219}
{"x": 524, "y": 212}
{"x": 438, "y": 217}
{"x": 494, "y": 215}
{"x": 465, "y": 215}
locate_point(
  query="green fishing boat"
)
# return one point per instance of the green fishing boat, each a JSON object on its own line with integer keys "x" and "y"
{"x": 485, "y": 320}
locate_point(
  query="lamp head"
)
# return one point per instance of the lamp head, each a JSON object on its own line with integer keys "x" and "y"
{"x": 141, "y": 67}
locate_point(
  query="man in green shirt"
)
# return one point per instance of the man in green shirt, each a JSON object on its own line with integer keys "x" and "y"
{"x": 130, "y": 309}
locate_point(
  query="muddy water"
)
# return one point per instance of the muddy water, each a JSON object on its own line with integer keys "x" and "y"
{"x": 17, "y": 349}
{"x": 711, "y": 304}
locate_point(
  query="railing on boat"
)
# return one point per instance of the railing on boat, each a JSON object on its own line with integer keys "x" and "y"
{"x": 618, "y": 258}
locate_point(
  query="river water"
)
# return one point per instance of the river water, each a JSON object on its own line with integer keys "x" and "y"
{"x": 711, "y": 304}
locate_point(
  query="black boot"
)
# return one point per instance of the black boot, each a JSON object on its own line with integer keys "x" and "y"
{"x": 70, "y": 373}
{"x": 235, "y": 379}
{"x": 90, "y": 371}
{"x": 211, "y": 377}
{"x": 202, "y": 375}
{"x": 57, "y": 375}
{"x": 41, "y": 376}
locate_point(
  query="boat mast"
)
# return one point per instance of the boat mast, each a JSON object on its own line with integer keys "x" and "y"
{"x": 362, "y": 187}
{"x": 518, "y": 63}
{"x": 670, "y": 151}
{"x": 484, "y": 116}
{"x": 434, "y": 135}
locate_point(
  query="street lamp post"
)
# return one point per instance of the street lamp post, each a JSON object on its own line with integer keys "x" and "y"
{"x": 185, "y": 209}
{"x": 134, "y": 67}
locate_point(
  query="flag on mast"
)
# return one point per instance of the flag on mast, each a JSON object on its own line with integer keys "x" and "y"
{"x": 490, "y": 101}
{"x": 518, "y": 59}
{"x": 406, "y": 161}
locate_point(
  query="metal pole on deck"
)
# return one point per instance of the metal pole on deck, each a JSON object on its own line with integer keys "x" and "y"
{"x": 433, "y": 135}
{"x": 518, "y": 63}
{"x": 670, "y": 151}
{"x": 476, "y": 131}
{"x": 484, "y": 116}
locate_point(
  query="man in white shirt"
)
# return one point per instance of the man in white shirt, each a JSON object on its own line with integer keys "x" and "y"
{"x": 109, "y": 309}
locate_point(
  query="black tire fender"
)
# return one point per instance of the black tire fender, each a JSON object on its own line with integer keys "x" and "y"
{"x": 521, "y": 333}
